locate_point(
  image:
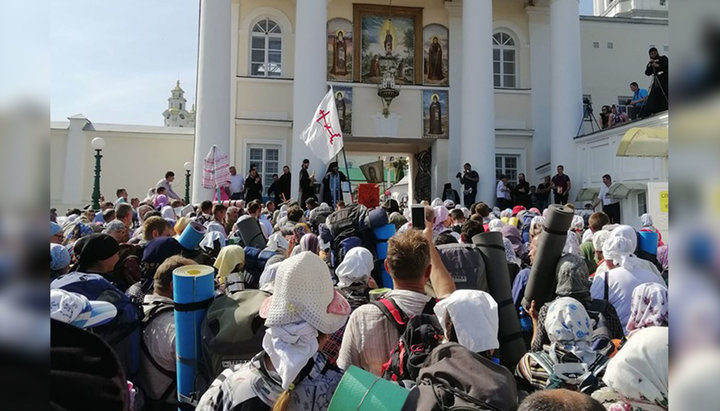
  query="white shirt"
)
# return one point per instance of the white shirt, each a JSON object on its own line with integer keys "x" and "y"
{"x": 237, "y": 184}
{"x": 620, "y": 287}
{"x": 500, "y": 191}
{"x": 604, "y": 195}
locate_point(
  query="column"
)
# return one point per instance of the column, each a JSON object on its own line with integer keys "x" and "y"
{"x": 539, "y": 25}
{"x": 565, "y": 85}
{"x": 477, "y": 122}
{"x": 455, "y": 95}
{"x": 310, "y": 82}
{"x": 76, "y": 151}
{"x": 214, "y": 85}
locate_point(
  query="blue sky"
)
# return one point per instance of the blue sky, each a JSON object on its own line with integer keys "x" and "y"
{"x": 116, "y": 61}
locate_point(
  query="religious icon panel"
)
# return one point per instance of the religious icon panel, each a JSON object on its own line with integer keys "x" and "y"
{"x": 389, "y": 44}
{"x": 435, "y": 55}
{"x": 343, "y": 102}
{"x": 436, "y": 119}
{"x": 340, "y": 50}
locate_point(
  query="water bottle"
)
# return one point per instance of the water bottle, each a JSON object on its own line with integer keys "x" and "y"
{"x": 526, "y": 326}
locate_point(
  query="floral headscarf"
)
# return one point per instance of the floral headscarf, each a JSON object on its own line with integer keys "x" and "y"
{"x": 568, "y": 327}
{"x": 639, "y": 372}
{"x": 648, "y": 307}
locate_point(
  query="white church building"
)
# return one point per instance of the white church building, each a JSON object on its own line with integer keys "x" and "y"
{"x": 505, "y": 79}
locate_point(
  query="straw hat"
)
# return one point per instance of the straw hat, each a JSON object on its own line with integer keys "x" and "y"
{"x": 304, "y": 292}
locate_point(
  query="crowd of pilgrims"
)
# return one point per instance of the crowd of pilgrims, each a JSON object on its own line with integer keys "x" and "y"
{"x": 602, "y": 343}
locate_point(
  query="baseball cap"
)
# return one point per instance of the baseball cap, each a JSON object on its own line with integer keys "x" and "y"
{"x": 75, "y": 309}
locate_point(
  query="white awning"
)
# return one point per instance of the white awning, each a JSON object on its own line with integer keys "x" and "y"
{"x": 587, "y": 194}
{"x": 622, "y": 190}
{"x": 644, "y": 142}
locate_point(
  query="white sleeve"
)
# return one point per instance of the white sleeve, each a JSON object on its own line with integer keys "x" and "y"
{"x": 597, "y": 289}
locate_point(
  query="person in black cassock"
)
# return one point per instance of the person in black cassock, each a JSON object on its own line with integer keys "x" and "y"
{"x": 658, "y": 98}
{"x": 332, "y": 185}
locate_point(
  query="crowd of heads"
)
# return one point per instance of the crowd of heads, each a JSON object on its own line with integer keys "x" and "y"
{"x": 609, "y": 314}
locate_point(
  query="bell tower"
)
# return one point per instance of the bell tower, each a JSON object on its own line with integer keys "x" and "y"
{"x": 177, "y": 114}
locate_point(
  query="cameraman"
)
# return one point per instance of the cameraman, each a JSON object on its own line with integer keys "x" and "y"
{"x": 657, "y": 67}
{"x": 469, "y": 179}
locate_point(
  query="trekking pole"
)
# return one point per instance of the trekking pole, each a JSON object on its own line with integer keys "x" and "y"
{"x": 347, "y": 170}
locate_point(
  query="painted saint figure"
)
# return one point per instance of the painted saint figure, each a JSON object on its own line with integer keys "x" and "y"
{"x": 375, "y": 66}
{"x": 435, "y": 116}
{"x": 340, "y": 105}
{"x": 339, "y": 54}
{"x": 388, "y": 42}
{"x": 435, "y": 64}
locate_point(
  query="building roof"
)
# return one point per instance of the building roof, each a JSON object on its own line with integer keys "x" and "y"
{"x": 627, "y": 20}
{"x": 127, "y": 128}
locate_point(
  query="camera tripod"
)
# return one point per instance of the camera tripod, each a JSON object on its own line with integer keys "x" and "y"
{"x": 655, "y": 83}
{"x": 588, "y": 116}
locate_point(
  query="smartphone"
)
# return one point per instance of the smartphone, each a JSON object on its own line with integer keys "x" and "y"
{"x": 418, "y": 217}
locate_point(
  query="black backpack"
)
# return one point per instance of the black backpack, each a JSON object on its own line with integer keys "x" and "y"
{"x": 344, "y": 224}
{"x": 465, "y": 264}
{"x": 419, "y": 334}
{"x": 454, "y": 378}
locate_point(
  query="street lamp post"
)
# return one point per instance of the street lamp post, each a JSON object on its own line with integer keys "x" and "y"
{"x": 98, "y": 143}
{"x": 188, "y": 167}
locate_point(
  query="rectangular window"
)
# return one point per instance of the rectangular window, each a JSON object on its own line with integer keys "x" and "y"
{"x": 507, "y": 164}
{"x": 642, "y": 203}
{"x": 610, "y": 44}
{"x": 666, "y": 48}
{"x": 622, "y": 103}
{"x": 596, "y": 44}
{"x": 266, "y": 158}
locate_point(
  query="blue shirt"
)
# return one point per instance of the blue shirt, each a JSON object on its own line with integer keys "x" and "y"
{"x": 640, "y": 93}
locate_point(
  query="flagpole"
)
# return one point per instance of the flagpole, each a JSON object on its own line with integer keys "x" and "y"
{"x": 347, "y": 170}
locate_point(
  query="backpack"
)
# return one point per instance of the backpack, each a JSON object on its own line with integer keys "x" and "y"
{"x": 525, "y": 226}
{"x": 419, "y": 334}
{"x": 232, "y": 331}
{"x": 601, "y": 336}
{"x": 343, "y": 224}
{"x": 465, "y": 264}
{"x": 454, "y": 378}
{"x": 123, "y": 333}
{"x": 255, "y": 261}
{"x": 156, "y": 309}
{"x": 586, "y": 378}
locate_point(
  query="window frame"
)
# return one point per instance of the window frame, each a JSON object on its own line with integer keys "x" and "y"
{"x": 502, "y": 48}
{"x": 276, "y": 32}
{"x": 265, "y": 177}
{"x": 503, "y": 166}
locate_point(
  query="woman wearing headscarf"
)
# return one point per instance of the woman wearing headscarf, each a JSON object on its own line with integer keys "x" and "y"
{"x": 290, "y": 373}
{"x": 648, "y": 307}
{"x": 230, "y": 265}
{"x": 168, "y": 213}
{"x": 160, "y": 201}
{"x": 637, "y": 377}
{"x": 442, "y": 222}
{"x": 308, "y": 242}
{"x": 646, "y": 222}
{"x": 569, "y": 330}
{"x": 572, "y": 281}
{"x": 470, "y": 318}
{"x": 626, "y": 272}
{"x": 598, "y": 240}
{"x": 354, "y": 282}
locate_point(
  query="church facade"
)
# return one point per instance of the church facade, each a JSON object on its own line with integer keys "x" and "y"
{"x": 498, "y": 84}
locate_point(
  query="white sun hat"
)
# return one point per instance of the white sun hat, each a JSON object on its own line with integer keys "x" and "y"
{"x": 474, "y": 315}
{"x": 304, "y": 292}
{"x": 75, "y": 309}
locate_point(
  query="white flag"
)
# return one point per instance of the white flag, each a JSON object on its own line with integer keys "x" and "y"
{"x": 323, "y": 134}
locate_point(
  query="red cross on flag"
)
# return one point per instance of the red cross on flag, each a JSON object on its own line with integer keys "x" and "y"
{"x": 323, "y": 135}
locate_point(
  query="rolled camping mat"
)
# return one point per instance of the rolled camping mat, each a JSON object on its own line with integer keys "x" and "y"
{"x": 192, "y": 235}
{"x": 512, "y": 345}
{"x": 541, "y": 282}
{"x": 251, "y": 233}
{"x": 648, "y": 242}
{"x": 193, "y": 290}
{"x": 363, "y": 391}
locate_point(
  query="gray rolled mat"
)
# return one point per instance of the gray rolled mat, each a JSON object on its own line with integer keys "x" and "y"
{"x": 541, "y": 283}
{"x": 512, "y": 345}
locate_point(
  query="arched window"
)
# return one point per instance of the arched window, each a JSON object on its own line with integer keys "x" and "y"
{"x": 504, "y": 60}
{"x": 266, "y": 49}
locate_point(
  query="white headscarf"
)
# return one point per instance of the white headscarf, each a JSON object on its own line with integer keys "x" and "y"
{"x": 289, "y": 347}
{"x": 506, "y": 213}
{"x": 436, "y": 202}
{"x": 474, "y": 315}
{"x": 572, "y": 244}
{"x": 495, "y": 225}
{"x": 568, "y": 327}
{"x": 639, "y": 371}
{"x": 277, "y": 242}
{"x": 168, "y": 212}
{"x": 620, "y": 246}
{"x": 355, "y": 267}
{"x": 599, "y": 238}
{"x": 441, "y": 214}
{"x": 646, "y": 220}
{"x": 536, "y": 225}
{"x": 267, "y": 278}
{"x": 587, "y": 236}
{"x": 577, "y": 223}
